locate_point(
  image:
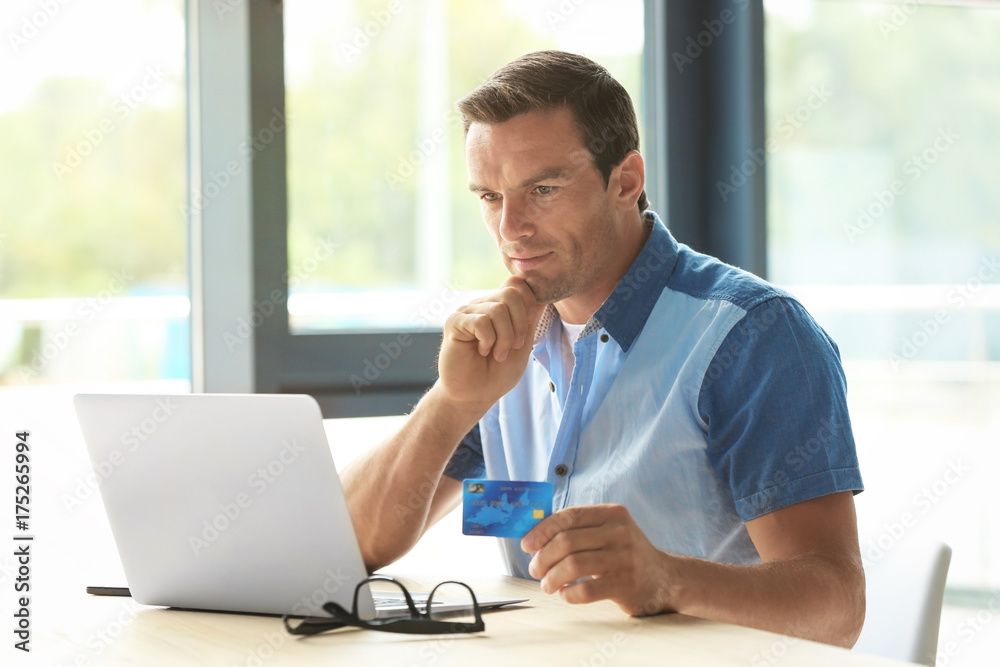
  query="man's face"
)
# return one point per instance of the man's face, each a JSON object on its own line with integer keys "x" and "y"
{"x": 545, "y": 204}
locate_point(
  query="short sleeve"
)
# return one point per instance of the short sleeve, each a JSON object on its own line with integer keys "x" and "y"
{"x": 774, "y": 399}
{"x": 467, "y": 462}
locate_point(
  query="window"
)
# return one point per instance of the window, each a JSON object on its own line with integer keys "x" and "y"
{"x": 383, "y": 239}
{"x": 93, "y": 269}
{"x": 882, "y": 204}
{"x": 376, "y": 165}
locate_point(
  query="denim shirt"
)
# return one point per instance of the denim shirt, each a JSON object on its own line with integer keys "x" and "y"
{"x": 702, "y": 397}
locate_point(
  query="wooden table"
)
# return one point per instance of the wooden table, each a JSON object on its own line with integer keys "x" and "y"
{"x": 543, "y": 631}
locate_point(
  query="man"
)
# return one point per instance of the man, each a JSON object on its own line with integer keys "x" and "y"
{"x": 691, "y": 417}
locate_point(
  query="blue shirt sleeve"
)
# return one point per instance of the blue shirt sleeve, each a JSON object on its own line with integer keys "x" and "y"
{"x": 774, "y": 399}
{"x": 467, "y": 462}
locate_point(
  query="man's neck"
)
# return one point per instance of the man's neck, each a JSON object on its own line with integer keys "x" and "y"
{"x": 579, "y": 308}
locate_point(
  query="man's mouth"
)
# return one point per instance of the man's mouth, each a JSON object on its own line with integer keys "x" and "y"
{"x": 527, "y": 261}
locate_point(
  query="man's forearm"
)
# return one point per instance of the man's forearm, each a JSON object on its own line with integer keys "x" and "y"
{"x": 389, "y": 490}
{"x": 809, "y": 596}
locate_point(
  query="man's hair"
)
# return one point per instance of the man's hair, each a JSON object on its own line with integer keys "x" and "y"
{"x": 548, "y": 80}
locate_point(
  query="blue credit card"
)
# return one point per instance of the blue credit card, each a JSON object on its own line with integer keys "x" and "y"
{"x": 504, "y": 508}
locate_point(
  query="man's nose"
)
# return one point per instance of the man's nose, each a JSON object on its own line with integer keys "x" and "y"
{"x": 515, "y": 221}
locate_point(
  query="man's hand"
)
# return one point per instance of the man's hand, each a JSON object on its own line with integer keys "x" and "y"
{"x": 604, "y": 543}
{"x": 810, "y": 582}
{"x": 486, "y": 344}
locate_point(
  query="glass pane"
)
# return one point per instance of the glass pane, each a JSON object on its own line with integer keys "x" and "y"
{"x": 375, "y": 148}
{"x": 93, "y": 268}
{"x": 882, "y": 202}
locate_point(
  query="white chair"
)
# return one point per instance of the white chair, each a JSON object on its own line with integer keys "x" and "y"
{"x": 905, "y": 589}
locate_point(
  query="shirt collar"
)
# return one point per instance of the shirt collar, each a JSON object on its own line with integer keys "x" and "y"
{"x": 626, "y": 310}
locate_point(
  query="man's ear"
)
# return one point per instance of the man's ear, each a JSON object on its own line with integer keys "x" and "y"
{"x": 627, "y": 181}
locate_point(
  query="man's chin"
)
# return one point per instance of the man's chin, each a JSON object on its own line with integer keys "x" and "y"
{"x": 544, "y": 291}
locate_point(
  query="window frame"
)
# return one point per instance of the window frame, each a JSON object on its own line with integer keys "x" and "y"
{"x": 241, "y": 341}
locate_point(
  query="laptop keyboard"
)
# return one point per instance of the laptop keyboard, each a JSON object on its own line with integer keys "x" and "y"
{"x": 399, "y": 601}
{"x": 388, "y": 602}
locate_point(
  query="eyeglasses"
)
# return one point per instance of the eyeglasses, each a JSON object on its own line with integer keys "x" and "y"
{"x": 451, "y": 608}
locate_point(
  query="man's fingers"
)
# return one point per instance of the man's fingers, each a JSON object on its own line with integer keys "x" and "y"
{"x": 593, "y": 553}
{"x": 500, "y": 321}
{"x": 524, "y": 310}
{"x": 589, "y": 590}
{"x": 490, "y": 327}
{"x": 476, "y": 361}
{"x": 585, "y": 516}
{"x": 576, "y": 566}
{"x": 533, "y": 309}
{"x": 513, "y": 299}
{"x": 472, "y": 326}
{"x": 490, "y": 324}
{"x": 564, "y": 544}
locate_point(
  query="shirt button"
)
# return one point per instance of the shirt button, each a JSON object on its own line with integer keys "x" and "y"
{"x": 561, "y": 470}
{"x": 552, "y": 386}
{"x": 604, "y": 338}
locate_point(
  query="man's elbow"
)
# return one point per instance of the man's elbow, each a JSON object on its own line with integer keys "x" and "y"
{"x": 372, "y": 560}
{"x": 853, "y": 622}
{"x": 377, "y": 553}
{"x": 852, "y": 618}
{"x": 838, "y": 606}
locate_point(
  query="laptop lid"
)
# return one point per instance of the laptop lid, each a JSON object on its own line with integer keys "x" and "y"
{"x": 224, "y": 502}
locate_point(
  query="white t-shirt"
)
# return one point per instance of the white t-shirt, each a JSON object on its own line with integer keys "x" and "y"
{"x": 570, "y": 333}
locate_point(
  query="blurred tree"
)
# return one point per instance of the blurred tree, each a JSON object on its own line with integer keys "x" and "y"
{"x": 87, "y": 187}
{"x": 898, "y": 81}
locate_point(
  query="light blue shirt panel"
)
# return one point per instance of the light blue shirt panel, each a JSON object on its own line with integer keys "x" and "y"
{"x": 643, "y": 447}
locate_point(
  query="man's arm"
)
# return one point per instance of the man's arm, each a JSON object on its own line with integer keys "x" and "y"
{"x": 381, "y": 485}
{"x": 485, "y": 348}
{"x": 811, "y": 583}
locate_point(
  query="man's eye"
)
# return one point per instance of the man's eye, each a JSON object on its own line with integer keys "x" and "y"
{"x": 489, "y": 196}
{"x": 544, "y": 189}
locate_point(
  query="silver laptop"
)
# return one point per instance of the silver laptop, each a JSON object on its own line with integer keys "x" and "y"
{"x": 228, "y": 502}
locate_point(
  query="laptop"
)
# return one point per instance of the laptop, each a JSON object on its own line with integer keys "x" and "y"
{"x": 229, "y": 502}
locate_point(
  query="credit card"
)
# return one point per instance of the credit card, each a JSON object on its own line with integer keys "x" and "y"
{"x": 504, "y": 508}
